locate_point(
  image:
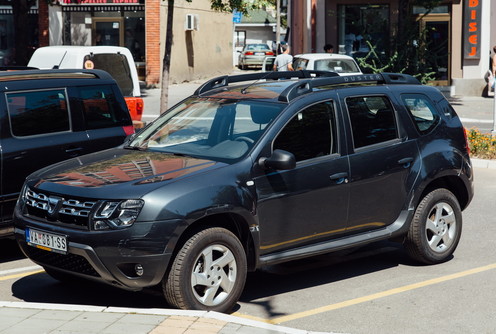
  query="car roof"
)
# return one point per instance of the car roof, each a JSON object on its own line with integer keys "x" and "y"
{"x": 315, "y": 56}
{"x": 282, "y": 86}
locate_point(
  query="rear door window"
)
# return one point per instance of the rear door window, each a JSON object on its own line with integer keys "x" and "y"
{"x": 100, "y": 107}
{"x": 38, "y": 112}
{"x": 372, "y": 120}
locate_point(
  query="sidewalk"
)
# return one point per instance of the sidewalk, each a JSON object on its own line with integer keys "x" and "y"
{"x": 34, "y": 318}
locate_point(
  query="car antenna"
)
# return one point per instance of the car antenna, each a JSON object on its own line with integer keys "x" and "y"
{"x": 56, "y": 67}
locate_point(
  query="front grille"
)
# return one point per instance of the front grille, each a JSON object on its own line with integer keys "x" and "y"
{"x": 71, "y": 211}
{"x": 70, "y": 262}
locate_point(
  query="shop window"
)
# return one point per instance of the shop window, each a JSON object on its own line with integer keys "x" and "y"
{"x": 362, "y": 26}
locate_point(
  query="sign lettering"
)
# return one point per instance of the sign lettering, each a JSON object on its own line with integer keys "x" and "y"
{"x": 471, "y": 29}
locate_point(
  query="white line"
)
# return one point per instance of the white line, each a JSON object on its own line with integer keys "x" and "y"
{"x": 475, "y": 120}
{"x": 19, "y": 270}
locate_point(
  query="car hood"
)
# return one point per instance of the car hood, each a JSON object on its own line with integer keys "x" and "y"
{"x": 118, "y": 172}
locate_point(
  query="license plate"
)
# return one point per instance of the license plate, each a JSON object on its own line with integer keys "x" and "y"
{"x": 259, "y": 53}
{"x": 46, "y": 241}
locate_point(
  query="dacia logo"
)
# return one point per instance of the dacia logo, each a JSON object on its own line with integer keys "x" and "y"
{"x": 54, "y": 204}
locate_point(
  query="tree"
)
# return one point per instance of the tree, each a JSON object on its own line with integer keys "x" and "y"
{"x": 219, "y": 5}
{"x": 20, "y": 10}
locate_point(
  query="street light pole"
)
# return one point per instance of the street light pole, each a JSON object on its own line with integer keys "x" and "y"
{"x": 278, "y": 24}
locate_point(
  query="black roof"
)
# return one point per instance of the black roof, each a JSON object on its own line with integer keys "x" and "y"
{"x": 283, "y": 87}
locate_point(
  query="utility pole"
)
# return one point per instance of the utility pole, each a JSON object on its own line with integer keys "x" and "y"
{"x": 278, "y": 24}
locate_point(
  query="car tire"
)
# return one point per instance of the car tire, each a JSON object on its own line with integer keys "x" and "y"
{"x": 191, "y": 284}
{"x": 435, "y": 229}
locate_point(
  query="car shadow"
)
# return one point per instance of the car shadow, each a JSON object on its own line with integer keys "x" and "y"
{"x": 264, "y": 283}
{"x": 321, "y": 270}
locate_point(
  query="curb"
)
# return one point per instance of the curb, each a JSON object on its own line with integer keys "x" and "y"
{"x": 154, "y": 311}
{"x": 483, "y": 163}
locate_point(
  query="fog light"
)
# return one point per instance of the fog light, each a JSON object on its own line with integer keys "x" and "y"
{"x": 139, "y": 269}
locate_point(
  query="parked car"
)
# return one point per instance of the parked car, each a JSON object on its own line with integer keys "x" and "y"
{"x": 341, "y": 64}
{"x": 48, "y": 116}
{"x": 253, "y": 55}
{"x": 254, "y": 170}
{"x": 115, "y": 60}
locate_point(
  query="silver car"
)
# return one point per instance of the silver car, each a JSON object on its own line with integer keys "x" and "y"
{"x": 253, "y": 55}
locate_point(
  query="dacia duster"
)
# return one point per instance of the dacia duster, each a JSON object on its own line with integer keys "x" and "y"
{"x": 254, "y": 170}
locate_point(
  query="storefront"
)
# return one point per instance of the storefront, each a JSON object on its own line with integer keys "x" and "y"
{"x": 7, "y": 32}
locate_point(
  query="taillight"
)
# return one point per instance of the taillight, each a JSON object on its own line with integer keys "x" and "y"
{"x": 269, "y": 53}
{"x": 249, "y": 53}
{"x": 128, "y": 129}
{"x": 139, "y": 106}
{"x": 467, "y": 145}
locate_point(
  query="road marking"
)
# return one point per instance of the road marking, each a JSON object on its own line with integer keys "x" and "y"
{"x": 18, "y": 270}
{"x": 5, "y": 278}
{"x": 371, "y": 297}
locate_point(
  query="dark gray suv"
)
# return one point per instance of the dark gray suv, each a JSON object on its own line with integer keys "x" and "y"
{"x": 243, "y": 175}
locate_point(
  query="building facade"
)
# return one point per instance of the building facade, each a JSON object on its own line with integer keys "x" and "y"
{"x": 352, "y": 26}
{"x": 202, "y": 37}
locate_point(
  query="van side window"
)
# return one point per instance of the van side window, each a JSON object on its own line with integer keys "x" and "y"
{"x": 99, "y": 107}
{"x": 372, "y": 120}
{"x": 310, "y": 134}
{"x": 38, "y": 112}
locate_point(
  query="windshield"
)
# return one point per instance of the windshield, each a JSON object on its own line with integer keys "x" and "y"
{"x": 217, "y": 129}
{"x": 336, "y": 65}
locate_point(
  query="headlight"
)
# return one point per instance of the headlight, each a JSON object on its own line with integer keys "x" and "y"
{"x": 117, "y": 214}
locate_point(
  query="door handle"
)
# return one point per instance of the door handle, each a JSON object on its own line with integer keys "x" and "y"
{"x": 406, "y": 162}
{"x": 74, "y": 151}
{"x": 339, "y": 178}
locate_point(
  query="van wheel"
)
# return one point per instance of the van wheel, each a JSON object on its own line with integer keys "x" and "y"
{"x": 208, "y": 273}
{"x": 435, "y": 229}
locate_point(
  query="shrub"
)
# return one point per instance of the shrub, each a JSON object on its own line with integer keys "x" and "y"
{"x": 481, "y": 145}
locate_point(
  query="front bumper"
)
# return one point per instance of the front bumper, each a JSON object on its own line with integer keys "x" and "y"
{"x": 110, "y": 257}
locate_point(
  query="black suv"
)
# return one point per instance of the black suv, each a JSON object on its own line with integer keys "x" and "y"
{"x": 48, "y": 116}
{"x": 240, "y": 176}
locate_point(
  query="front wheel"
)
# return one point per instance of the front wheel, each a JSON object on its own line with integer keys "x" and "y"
{"x": 435, "y": 229}
{"x": 208, "y": 273}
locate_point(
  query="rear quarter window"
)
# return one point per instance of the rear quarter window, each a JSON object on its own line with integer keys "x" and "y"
{"x": 422, "y": 111}
{"x": 38, "y": 112}
{"x": 100, "y": 107}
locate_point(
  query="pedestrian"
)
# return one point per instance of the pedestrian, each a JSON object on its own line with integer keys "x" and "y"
{"x": 329, "y": 48}
{"x": 284, "y": 61}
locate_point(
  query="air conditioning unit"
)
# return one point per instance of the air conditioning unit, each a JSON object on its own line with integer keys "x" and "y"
{"x": 192, "y": 22}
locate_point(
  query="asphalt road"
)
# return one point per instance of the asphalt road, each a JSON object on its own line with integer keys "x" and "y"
{"x": 377, "y": 289}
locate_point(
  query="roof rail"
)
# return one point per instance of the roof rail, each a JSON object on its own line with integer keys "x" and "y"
{"x": 225, "y": 80}
{"x": 307, "y": 86}
{"x": 53, "y": 74}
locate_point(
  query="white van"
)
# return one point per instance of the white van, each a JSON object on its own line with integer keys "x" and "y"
{"x": 115, "y": 60}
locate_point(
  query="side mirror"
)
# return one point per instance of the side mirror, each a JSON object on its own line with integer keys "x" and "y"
{"x": 280, "y": 160}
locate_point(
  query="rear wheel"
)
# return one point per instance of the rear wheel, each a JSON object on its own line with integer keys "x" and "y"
{"x": 436, "y": 228}
{"x": 208, "y": 273}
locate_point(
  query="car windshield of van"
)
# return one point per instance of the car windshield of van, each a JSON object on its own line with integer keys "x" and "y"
{"x": 212, "y": 128}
